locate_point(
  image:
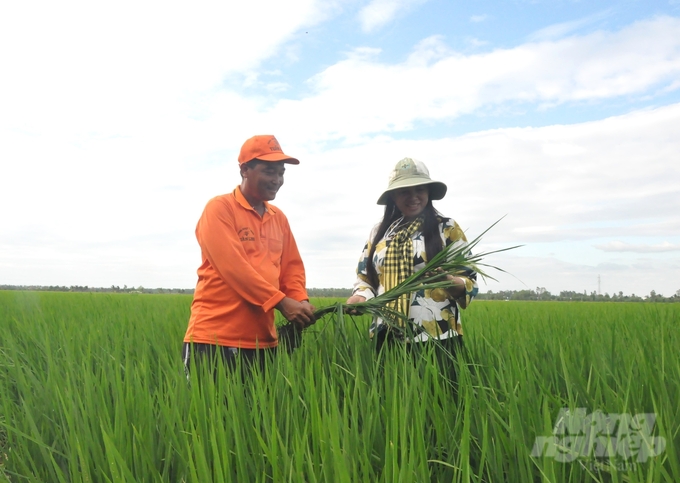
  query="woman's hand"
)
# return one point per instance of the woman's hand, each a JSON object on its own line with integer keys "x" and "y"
{"x": 457, "y": 290}
{"x": 355, "y": 299}
{"x": 439, "y": 274}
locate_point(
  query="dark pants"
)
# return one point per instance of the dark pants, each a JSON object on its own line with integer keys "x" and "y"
{"x": 197, "y": 357}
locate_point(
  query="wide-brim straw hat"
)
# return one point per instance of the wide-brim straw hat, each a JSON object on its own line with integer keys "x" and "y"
{"x": 408, "y": 173}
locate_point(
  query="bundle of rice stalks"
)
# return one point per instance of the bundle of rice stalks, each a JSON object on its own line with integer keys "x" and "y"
{"x": 452, "y": 260}
{"x": 290, "y": 336}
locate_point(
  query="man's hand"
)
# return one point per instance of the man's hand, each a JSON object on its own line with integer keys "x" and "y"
{"x": 299, "y": 313}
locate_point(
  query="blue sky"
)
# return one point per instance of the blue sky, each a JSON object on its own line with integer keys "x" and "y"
{"x": 118, "y": 122}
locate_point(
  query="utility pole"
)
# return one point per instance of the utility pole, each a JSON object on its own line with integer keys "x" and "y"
{"x": 599, "y": 287}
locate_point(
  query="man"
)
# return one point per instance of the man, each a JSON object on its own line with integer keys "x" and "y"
{"x": 250, "y": 266}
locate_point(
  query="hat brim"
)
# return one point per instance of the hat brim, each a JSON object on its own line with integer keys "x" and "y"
{"x": 437, "y": 189}
{"x": 278, "y": 157}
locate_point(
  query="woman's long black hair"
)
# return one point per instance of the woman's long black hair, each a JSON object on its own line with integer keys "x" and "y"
{"x": 430, "y": 231}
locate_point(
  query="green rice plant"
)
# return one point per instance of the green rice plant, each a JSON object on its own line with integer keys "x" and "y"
{"x": 92, "y": 388}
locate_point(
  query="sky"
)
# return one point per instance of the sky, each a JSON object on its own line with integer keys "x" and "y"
{"x": 560, "y": 118}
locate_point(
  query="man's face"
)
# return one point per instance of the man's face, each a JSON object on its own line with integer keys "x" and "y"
{"x": 262, "y": 181}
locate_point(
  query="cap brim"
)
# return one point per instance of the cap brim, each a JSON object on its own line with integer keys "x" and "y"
{"x": 278, "y": 157}
{"x": 437, "y": 189}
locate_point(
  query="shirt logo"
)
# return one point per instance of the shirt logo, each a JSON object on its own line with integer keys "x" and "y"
{"x": 246, "y": 234}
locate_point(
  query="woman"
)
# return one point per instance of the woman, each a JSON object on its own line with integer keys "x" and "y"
{"x": 411, "y": 233}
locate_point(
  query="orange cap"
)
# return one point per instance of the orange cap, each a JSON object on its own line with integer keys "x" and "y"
{"x": 264, "y": 147}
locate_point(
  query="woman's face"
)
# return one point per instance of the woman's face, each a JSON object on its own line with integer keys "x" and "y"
{"x": 411, "y": 201}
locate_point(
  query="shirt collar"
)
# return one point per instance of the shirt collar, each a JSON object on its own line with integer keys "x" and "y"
{"x": 238, "y": 194}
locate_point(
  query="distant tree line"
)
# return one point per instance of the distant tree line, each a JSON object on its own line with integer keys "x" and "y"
{"x": 566, "y": 295}
{"x": 540, "y": 293}
{"x": 85, "y": 288}
{"x": 313, "y": 292}
{"x": 329, "y": 292}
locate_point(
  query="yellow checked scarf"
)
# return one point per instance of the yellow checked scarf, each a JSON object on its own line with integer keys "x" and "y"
{"x": 398, "y": 264}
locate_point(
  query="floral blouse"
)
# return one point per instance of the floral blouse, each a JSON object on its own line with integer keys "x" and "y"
{"x": 432, "y": 313}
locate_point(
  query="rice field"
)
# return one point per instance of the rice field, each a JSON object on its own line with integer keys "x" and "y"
{"x": 92, "y": 389}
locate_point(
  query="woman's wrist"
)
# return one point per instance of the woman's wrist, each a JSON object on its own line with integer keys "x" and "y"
{"x": 457, "y": 290}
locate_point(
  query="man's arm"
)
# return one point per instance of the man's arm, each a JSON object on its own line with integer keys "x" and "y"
{"x": 295, "y": 307}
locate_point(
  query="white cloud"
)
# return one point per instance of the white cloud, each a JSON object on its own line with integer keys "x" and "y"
{"x": 478, "y": 18}
{"x": 562, "y": 29}
{"x": 380, "y": 12}
{"x": 434, "y": 83}
{"x": 115, "y": 227}
{"x": 86, "y": 66}
{"x": 589, "y": 192}
{"x": 619, "y": 246}
{"x": 473, "y": 42}
{"x": 586, "y": 187}
{"x": 111, "y": 146}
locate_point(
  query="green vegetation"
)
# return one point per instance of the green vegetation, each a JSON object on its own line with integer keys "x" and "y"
{"x": 541, "y": 294}
{"x": 92, "y": 389}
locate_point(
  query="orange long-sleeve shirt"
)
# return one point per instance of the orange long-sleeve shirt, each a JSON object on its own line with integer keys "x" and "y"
{"x": 249, "y": 264}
